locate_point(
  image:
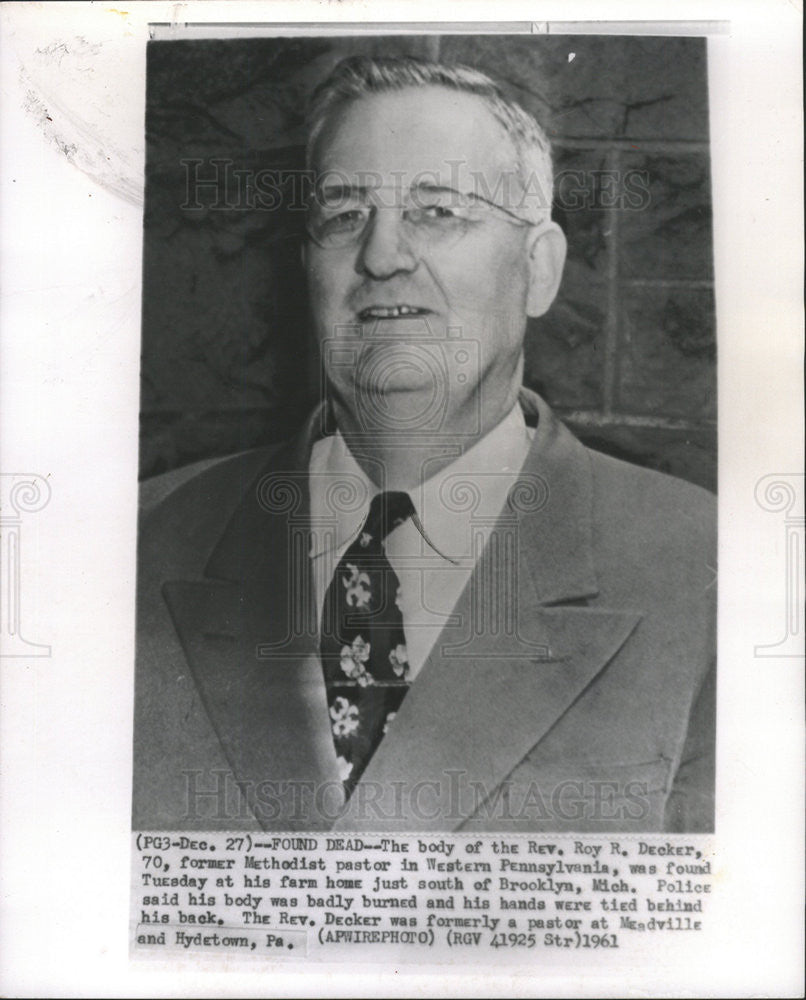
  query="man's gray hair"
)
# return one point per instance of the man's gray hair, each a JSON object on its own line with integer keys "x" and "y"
{"x": 362, "y": 76}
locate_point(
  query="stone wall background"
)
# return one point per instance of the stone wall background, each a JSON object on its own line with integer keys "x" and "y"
{"x": 627, "y": 353}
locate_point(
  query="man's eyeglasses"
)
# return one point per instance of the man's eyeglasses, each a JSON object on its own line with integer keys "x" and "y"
{"x": 338, "y": 218}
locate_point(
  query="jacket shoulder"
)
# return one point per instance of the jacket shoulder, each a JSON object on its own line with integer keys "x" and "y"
{"x": 654, "y": 535}
{"x": 645, "y": 499}
{"x": 208, "y": 476}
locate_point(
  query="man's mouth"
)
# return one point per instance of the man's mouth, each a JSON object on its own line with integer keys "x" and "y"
{"x": 391, "y": 312}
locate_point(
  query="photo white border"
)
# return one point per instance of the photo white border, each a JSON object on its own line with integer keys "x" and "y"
{"x": 71, "y": 142}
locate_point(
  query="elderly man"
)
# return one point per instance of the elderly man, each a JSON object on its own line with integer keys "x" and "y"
{"x": 434, "y": 608}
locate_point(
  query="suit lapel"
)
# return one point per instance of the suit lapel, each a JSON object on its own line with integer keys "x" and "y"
{"x": 250, "y": 635}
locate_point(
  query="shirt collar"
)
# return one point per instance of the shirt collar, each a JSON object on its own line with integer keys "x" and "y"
{"x": 475, "y": 485}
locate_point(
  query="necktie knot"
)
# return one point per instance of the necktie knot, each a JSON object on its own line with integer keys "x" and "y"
{"x": 386, "y": 512}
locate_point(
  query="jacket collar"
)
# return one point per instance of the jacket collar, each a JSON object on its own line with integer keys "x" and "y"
{"x": 278, "y": 494}
{"x": 555, "y": 506}
{"x": 552, "y": 500}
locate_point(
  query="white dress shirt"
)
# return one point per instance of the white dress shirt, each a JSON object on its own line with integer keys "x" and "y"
{"x": 433, "y": 554}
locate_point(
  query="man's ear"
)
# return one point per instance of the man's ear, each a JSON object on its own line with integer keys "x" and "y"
{"x": 547, "y": 250}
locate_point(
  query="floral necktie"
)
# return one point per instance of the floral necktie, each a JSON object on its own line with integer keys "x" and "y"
{"x": 363, "y": 646}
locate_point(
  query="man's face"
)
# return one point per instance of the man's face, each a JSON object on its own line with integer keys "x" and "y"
{"x": 406, "y": 297}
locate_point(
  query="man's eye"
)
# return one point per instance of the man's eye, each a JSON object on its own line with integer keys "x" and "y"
{"x": 343, "y": 222}
{"x": 438, "y": 214}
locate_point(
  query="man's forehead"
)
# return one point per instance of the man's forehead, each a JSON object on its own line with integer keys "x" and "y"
{"x": 399, "y": 137}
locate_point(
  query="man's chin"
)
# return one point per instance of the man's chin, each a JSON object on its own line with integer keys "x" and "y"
{"x": 398, "y": 402}
{"x": 400, "y": 367}
{"x": 398, "y": 396}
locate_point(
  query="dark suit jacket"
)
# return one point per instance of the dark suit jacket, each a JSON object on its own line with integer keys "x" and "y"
{"x": 573, "y": 689}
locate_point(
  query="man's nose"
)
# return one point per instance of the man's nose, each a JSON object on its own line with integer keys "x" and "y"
{"x": 385, "y": 250}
